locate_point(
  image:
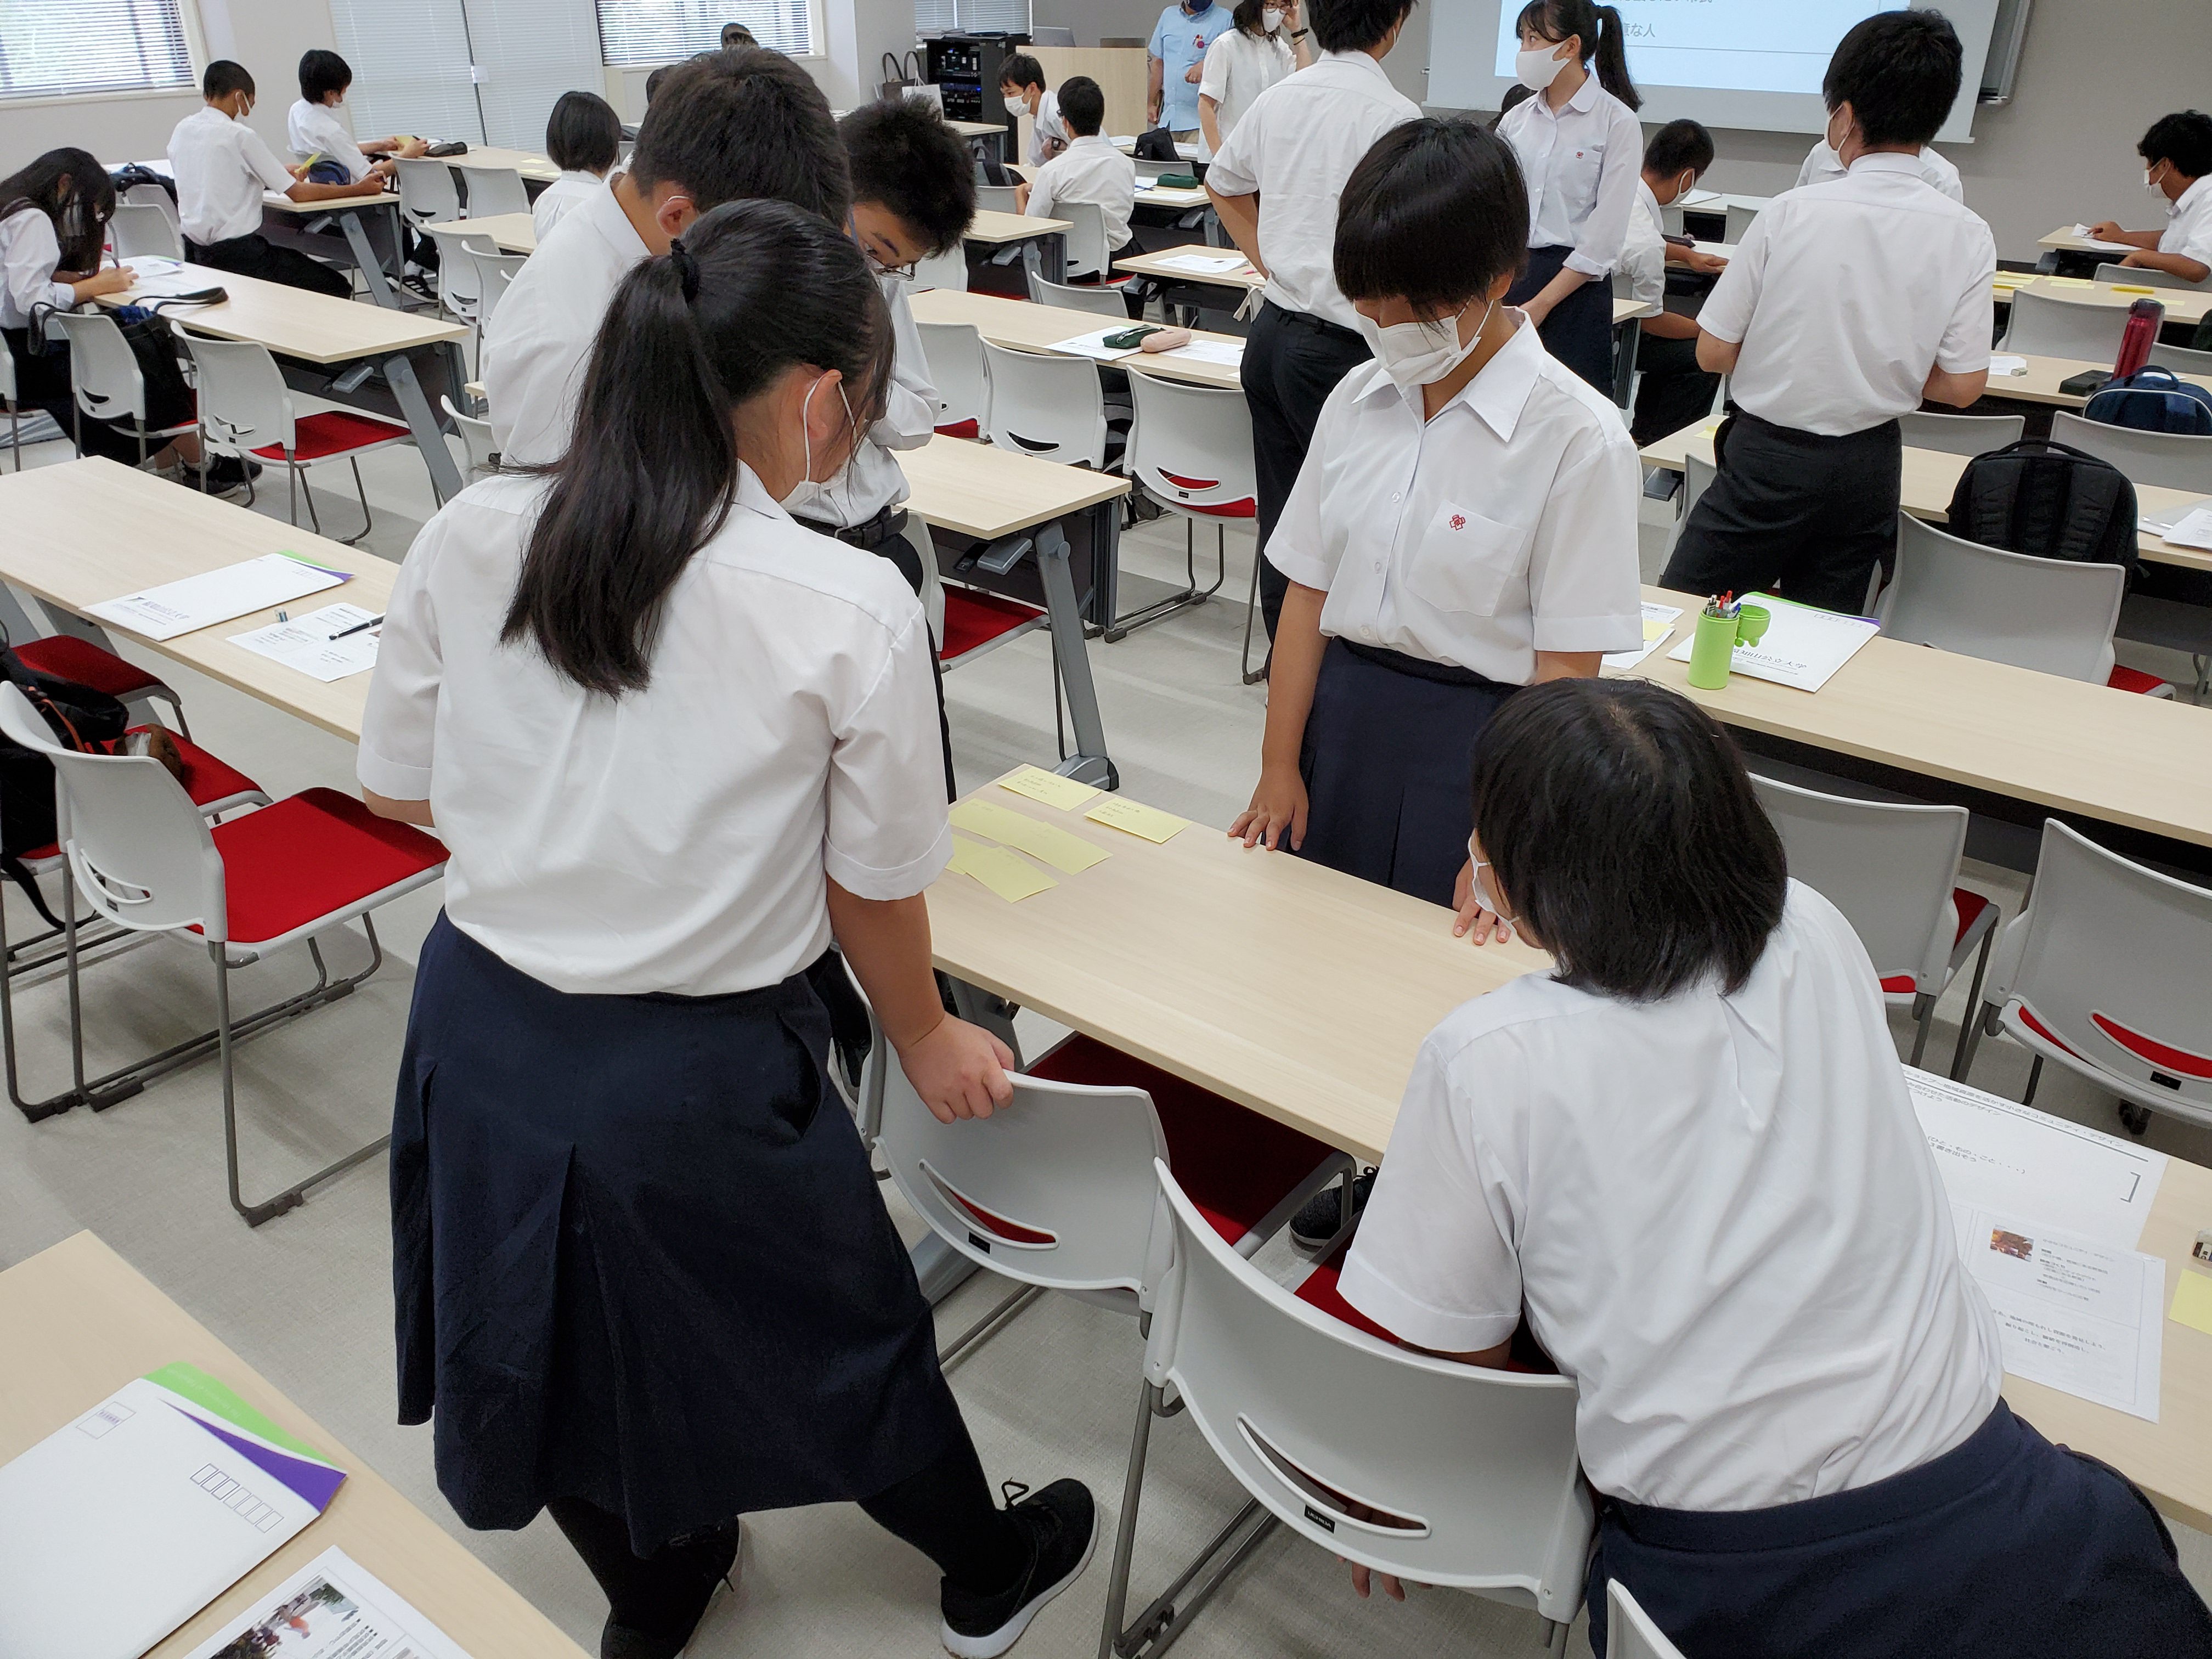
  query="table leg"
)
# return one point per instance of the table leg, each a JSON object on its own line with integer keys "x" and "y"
{"x": 1624, "y": 368}
{"x": 1105, "y": 564}
{"x": 429, "y": 437}
{"x": 380, "y": 284}
{"x": 1089, "y": 763}
{"x": 1052, "y": 257}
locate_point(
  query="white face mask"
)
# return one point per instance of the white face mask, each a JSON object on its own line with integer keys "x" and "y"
{"x": 1016, "y": 104}
{"x": 1271, "y": 20}
{"x": 811, "y": 490}
{"x": 2150, "y": 181}
{"x": 1836, "y": 139}
{"x": 1537, "y": 69}
{"x": 1421, "y": 354}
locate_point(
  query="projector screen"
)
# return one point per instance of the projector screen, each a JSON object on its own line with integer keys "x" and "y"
{"x": 1744, "y": 64}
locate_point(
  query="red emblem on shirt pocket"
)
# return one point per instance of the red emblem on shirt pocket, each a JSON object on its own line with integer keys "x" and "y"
{"x": 1459, "y": 522}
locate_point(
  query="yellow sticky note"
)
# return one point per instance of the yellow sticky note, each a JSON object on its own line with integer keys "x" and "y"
{"x": 1012, "y": 877}
{"x": 2193, "y": 1301}
{"x": 2066, "y": 282}
{"x": 1118, "y": 812}
{"x": 1655, "y": 629}
{"x": 1049, "y": 788}
{"x": 1049, "y": 842}
{"x": 2130, "y": 287}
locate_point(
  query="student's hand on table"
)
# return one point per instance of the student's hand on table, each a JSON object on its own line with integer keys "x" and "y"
{"x": 1710, "y": 263}
{"x": 959, "y": 1070}
{"x": 114, "y": 279}
{"x": 413, "y": 149}
{"x": 2105, "y": 230}
{"x": 1277, "y": 815}
{"x": 384, "y": 170}
{"x": 1476, "y": 921}
{"x": 1362, "y": 1580}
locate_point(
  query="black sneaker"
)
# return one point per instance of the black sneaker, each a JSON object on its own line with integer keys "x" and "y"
{"x": 715, "y": 1559}
{"x": 1062, "y": 1524}
{"x": 1315, "y": 1225}
{"x": 231, "y": 472}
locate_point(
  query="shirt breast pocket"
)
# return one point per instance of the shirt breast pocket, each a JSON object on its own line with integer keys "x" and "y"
{"x": 1579, "y": 177}
{"x": 1466, "y": 563}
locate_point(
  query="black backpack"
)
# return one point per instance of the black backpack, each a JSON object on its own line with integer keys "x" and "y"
{"x": 2049, "y": 501}
{"x": 80, "y": 718}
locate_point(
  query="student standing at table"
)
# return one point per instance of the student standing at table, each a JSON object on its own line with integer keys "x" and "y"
{"x": 1847, "y": 304}
{"x": 583, "y": 138}
{"x": 675, "y": 744}
{"x": 1177, "y": 63}
{"x": 1275, "y": 184}
{"x": 1686, "y": 1158}
{"x": 725, "y": 125}
{"x": 1672, "y": 390}
{"x": 1465, "y": 526}
{"x": 312, "y": 126}
{"x": 1580, "y": 149}
{"x": 2176, "y": 154}
{"x": 1021, "y": 84}
{"x": 1822, "y": 164}
{"x": 1266, "y": 42}
{"x": 1088, "y": 170}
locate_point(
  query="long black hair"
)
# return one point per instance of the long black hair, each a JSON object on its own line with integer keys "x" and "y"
{"x": 1599, "y": 27}
{"x": 755, "y": 288}
{"x": 78, "y": 212}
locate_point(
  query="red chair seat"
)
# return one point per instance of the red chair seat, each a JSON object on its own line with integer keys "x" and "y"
{"x": 69, "y": 657}
{"x": 311, "y": 854}
{"x": 1236, "y": 1165}
{"x": 207, "y": 779}
{"x": 2134, "y": 679}
{"x": 967, "y": 428}
{"x": 335, "y": 432}
{"x": 973, "y": 619}
{"x": 1969, "y": 906}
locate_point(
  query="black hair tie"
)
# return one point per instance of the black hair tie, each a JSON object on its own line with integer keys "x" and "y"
{"x": 686, "y": 270}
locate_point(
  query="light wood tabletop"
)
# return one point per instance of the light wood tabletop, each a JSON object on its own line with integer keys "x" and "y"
{"x": 979, "y": 490}
{"x": 1175, "y": 197}
{"x": 1239, "y": 275}
{"x": 510, "y": 233}
{"x": 81, "y": 1322}
{"x": 1929, "y": 477}
{"x": 94, "y": 529}
{"x": 276, "y": 201}
{"x": 1031, "y": 327}
{"x": 318, "y": 328}
{"x": 2041, "y": 381}
{"x": 976, "y": 129}
{"x": 991, "y": 227}
{"x": 527, "y": 163}
{"x": 2182, "y": 305}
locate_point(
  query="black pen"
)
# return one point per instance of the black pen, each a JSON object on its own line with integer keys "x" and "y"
{"x": 357, "y": 628}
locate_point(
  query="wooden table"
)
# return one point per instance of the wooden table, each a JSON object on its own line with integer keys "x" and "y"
{"x": 1028, "y": 326}
{"x": 81, "y": 1322}
{"x": 995, "y": 230}
{"x": 510, "y": 233}
{"x": 2182, "y": 305}
{"x": 277, "y": 209}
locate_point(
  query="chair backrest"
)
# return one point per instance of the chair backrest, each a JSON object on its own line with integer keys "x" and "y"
{"x": 1961, "y": 434}
{"x": 427, "y": 194}
{"x": 1437, "y": 1472}
{"x": 2196, "y": 365}
{"x": 244, "y": 402}
{"x": 954, "y": 352}
{"x": 2129, "y": 276}
{"x": 2045, "y": 325}
{"x": 2052, "y": 615}
{"x": 494, "y": 190}
{"x": 1889, "y": 867}
{"x": 139, "y": 228}
{"x": 1087, "y": 253}
{"x": 152, "y": 195}
{"x": 1738, "y": 220}
{"x": 1191, "y": 446}
{"x": 996, "y": 198}
{"x": 457, "y": 278}
{"x": 1629, "y": 1632}
{"x": 948, "y": 270}
{"x": 138, "y": 849}
{"x": 1099, "y": 301}
{"x": 8, "y": 378}
{"x": 105, "y": 373}
{"x": 476, "y": 437}
{"x": 1698, "y": 476}
{"x": 494, "y": 272}
{"x": 1048, "y": 406}
{"x": 2171, "y": 460}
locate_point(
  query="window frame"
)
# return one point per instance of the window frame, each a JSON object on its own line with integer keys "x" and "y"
{"x": 818, "y": 25}
{"x": 1028, "y": 25}
{"x": 196, "y": 57}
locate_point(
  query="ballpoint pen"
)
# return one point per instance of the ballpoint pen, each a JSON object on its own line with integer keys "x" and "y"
{"x": 357, "y": 627}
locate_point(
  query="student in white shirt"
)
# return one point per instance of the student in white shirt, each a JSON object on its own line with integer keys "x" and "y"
{"x": 223, "y": 169}
{"x": 312, "y": 126}
{"x": 1581, "y": 148}
{"x": 1021, "y": 85}
{"x": 1465, "y": 526}
{"x": 725, "y": 125}
{"x": 1684, "y": 1162}
{"x": 1264, "y": 43}
{"x": 583, "y": 138}
{"x": 2176, "y": 154}
{"x": 676, "y": 745}
{"x": 1672, "y": 390}
{"x": 1088, "y": 170}
{"x": 1847, "y": 304}
{"x": 1823, "y": 164}
{"x": 1275, "y": 184}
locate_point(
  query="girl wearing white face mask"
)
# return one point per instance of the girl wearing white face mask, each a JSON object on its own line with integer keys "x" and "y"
{"x": 1266, "y": 40}
{"x": 1464, "y": 525}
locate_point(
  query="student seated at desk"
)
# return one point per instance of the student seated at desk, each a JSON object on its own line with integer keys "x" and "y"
{"x": 1822, "y": 164}
{"x": 727, "y": 126}
{"x": 2176, "y": 154}
{"x": 1021, "y": 84}
{"x": 583, "y": 137}
{"x": 312, "y": 126}
{"x": 1673, "y": 390}
{"x": 1688, "y": 1159}
{"x": 222, "y": 168}
{"x": 1847, "y": 304}
{"x": 1088, "y": 170}
{"x": 1464, "y": 525}
{"x": 1265, "y": 42}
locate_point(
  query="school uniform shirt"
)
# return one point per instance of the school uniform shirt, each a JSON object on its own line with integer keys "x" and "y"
{"x": 1581, "y": 163}
{"x": 679, "y": 838}
{"x": 1844, "y": 297}
{"x": 1179, "y": 41}
{"x": 874, "y": 480}
{"x": 1239, "y": 67}
{"x": 1088, "y": 170}
{"x": 1047, "y": 129}
{"x": 540, "y": 338}
{"x": 555, "y": 201}
{"x": 221, "y": 169}
{"x": 1296, "y": 146}
{"x": 30, "y": 255}
{"x": 1644, "y": 250}
{"x": 313, "y": 128}
{"x": 1719, "y": 1212}
{"x": 1505, "y": 526}
{"x": 1822, "y": 164}
{"x": 2189, "y": 223}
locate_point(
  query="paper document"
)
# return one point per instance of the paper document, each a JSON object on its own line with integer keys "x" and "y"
{"x": 2003, "y": 363}
{"x": 2190, "y": 530}
{"x": 1228, "y": 353}
{"x": 1202, "y": 265}
{"x": 1049, "y": 788}
{"x": 2072, "y": 1314}
{"x": 1093, "y": 344}
{"x": 1118, "y": 812}
{"x": 1009, "y": 875}
{"x": 1060, "y": 848}
{"x": 216, "y": 596}
{"x": 306, "y": 642}
{"x": 2081, "y": 232}
{"x": 1658, "y": 624}
{"x": 1803, "y": 646}
{"x": 119, "y": 1527}
{"x": 332, "y": 1609}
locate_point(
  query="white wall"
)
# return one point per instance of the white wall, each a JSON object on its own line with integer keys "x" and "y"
{"x": 858, "y": 34}
{"x": 1134, "y": 19}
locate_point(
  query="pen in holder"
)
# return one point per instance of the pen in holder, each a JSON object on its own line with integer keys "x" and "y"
{"x": 1720, "y": 627}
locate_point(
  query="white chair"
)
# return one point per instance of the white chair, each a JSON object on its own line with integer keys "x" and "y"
{"x": 482, "y": 449}
{"x": 2103, "y": 972}
{"x": 108, "y": 384}
{"x": 1190, "y": 450}
{"x": 1629, "y": 1632}
{"x": 1739, "y": 221}
{"x": 1892, "y": 869}
{"x": 1438, "y": 1472}
{"x": 427, "y": 195}
{"x": 246, "y": 409}
{"x": 1087, "y": 252}
{"x": 2129, "y": 276}
{"x": 2194, "y": 365}
{"x": 1098, "y": 299}
{"x": 494, "y": 273}
{"x": 954, "y": 352}
{"x": 1961, "y": 434}
{"x": 2043, "y": 325}
{"x": 155, "y": 197}
{"x": 1046, "y": 406}
{"x": 493, "y": 191}
{"x": 139, "y": 228}
{"x": 996, "y": 198}
{"x": 8, "y": 395}
{"x": 2169, "y": 460}
{"x": 948, "y": 270}
{"x": 458, "y": 277}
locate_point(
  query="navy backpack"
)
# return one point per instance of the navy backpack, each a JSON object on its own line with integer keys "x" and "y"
{"x": 2153, "y": 400}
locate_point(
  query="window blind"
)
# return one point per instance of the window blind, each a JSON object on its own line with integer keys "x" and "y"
{"x": 411, "y": 71}
{"x": 968, "y": 16}
{"x": 528, "y": 52}
{"x": 59, "y": 47}
{"x": 665, "y": 31}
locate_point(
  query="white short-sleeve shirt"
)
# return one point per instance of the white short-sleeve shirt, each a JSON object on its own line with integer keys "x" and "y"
{"x": 555, "y": 201}
{"x": 1088, "y": 170}
{"x": 312, "y": 128}
{"x": 30, "y": 255}
{"x": 1581, "y": 162}
{"x": 873, "y": 479}
{"x": 1048, "y": 134}
{"x": 1239, "y": 67}
{"x": 1844, "y": 295}
{"x": 2189, "y": 223}
{"x": 1643, "y": 252}
{"x": 221, "y": 169}
{"x": 1505, "y": 526}
{"x": 1822, "y": 163}
{"x": 677, "y": 839}
{"x": 1719, "y": 1212}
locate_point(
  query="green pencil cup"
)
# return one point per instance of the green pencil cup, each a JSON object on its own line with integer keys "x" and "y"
{"x": 1714, "y": 643}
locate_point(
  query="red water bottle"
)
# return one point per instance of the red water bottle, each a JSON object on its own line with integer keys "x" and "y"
{"x": 2144, "y": 317}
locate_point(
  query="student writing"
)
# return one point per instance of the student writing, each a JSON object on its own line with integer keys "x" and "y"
{"x": 1265, "y": 42}
{"x": 2176, "y": 156}
{"x": 1088, "y": 170}
{"x": 312, "y": 126}
{"x": 1672, "y": 390}
{"x": 583, "y": 138}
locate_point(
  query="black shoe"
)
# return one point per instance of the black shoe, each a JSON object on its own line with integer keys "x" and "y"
{"x": 1062, "y": 1525}
{"x": 1315, "y": 1225}
{"x": 232, "y": 471}
{"x": 716, "y": 1559}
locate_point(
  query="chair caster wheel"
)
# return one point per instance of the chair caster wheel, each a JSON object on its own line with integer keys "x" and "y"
{"x": 2135, "y": 1119}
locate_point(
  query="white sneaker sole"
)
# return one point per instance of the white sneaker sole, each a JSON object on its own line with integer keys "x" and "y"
{"x": 997, "y": 1642}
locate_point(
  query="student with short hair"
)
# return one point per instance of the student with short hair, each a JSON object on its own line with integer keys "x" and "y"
{"x": 727, "y": 125}
{"x": 1465, "y": 524}
{"x": 1021, "y": 84}
{"x": 1672, "y": 390}
{"x": 654, "y": 81}
{"x": 2176, "y": 154}
{"x": 1088, "y": 170}
{"x": 223, "y": 167}
{"x": 1822, "y": 164}
{"x": 583, "y": 138}
{"x": 1686, "y": 1159}
{"x": 1266, "y": 42}
{"x": 312, "y": 126}
{"x": 1847, "y": 305}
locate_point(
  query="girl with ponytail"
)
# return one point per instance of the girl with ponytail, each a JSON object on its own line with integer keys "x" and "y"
{"x": 676, "y": 743}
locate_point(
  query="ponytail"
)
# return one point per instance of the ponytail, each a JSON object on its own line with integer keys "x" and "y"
{"x": 1613, "y": 58}
{"x": 1601, "y": 33}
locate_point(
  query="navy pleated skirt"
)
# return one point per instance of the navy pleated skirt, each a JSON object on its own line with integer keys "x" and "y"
{"x": 2005, "y": 1547}
{"x": 1579, "y": 330}
{"x": 639, "y": 1257}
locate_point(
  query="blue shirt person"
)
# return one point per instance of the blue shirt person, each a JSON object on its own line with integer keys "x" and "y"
{"x": 1178, "y": 49}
